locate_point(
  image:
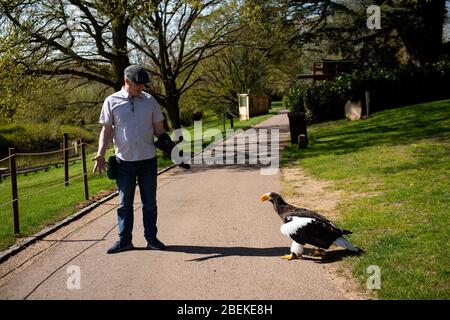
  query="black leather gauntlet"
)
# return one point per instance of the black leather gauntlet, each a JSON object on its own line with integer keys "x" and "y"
{"x": 166, "y": 145}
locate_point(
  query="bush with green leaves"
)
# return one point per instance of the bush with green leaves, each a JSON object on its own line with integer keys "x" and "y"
{"x": 294, "y": 99}
{"x": 392, "y": 88}
{"x": 320, "y": 100}
{"x": 38, "y": 137}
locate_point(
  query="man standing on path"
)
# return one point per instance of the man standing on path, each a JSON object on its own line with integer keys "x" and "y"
{"x": 131, "y": 117}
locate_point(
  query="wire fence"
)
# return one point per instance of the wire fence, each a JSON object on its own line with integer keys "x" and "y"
{"x": 33, "y": 162}
{"x": 19, "y": 163}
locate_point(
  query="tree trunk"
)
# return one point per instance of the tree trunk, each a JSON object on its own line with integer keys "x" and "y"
{"x": 173, "y": 110}
{"x": 421, "y": 30}
{"x": 120, "y": 61}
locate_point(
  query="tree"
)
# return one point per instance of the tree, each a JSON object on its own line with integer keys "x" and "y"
{"x": 419, "y": 24}
{"x": 235, "y": 70}
{"x": 415, "y": 24}
{"x": 259, "y": 61}
{"x": 95, "y": 40}
{"x": 80, "y": 38}
{"x": 175, "y": 36}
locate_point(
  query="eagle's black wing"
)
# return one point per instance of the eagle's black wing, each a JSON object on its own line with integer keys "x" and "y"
{"x": 302, "y": 212}
{"x": 310, "y": 229}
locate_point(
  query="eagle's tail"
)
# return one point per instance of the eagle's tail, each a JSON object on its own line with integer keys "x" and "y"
{"x": 342, "y": 242}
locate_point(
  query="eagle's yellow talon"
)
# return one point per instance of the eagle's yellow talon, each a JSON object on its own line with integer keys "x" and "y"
{"x": 289, "y": 257}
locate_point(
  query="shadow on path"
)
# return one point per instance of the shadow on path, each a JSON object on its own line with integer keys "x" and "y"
{"x": 212, "y": 252}
{"x": 221, "y": 252}
{"x": 330, "y": 256}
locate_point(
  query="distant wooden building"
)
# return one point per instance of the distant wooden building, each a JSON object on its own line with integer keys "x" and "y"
{"x": 252, "y": 105}
{"x": 330, "y": 69}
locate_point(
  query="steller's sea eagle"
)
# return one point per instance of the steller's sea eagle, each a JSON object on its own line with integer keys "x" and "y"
{"x": 306, "y": 226}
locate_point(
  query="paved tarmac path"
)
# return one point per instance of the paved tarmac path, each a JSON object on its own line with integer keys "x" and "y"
{"x": 222, "y": 243}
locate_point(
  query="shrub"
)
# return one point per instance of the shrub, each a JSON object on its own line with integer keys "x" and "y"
{"x": 294, "y": 99}
{"x": 325, "y": 102}
{"x": 404, "y": 85}
{"x": 38, "y": 137}
{"x": 320, "y": 101}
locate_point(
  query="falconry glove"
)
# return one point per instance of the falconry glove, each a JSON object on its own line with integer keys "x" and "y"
{"x": 166, "y": 145}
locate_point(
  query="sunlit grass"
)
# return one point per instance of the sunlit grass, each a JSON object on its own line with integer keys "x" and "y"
{"x": 395, "y": 169}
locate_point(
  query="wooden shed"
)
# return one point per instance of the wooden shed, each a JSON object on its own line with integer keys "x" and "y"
{"x": 252, "y": 105}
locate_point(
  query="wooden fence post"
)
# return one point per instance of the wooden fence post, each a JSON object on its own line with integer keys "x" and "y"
{"x": 83, "y": 160}
{"x": 224, "y": 121}
{"x": 15, "y": 200}
{"x": 367, "y": 104}
{"x": 66, "y": 158}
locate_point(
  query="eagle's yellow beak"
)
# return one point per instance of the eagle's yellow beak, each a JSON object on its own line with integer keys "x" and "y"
{"x": 265, "y": 197}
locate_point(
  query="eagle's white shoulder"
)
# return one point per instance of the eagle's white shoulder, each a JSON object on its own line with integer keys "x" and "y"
{"x": 294, "y": 225}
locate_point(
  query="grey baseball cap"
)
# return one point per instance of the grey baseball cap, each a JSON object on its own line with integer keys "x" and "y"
{"x": 137, "y": 74}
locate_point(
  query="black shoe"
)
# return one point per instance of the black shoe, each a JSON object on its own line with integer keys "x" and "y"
{"x": 118, "y": 247}
{"x": 155, "y": 244}
{"x": 184, "y": 165}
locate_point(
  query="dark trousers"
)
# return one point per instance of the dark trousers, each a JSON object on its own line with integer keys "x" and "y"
{"x": 145, "y": 172}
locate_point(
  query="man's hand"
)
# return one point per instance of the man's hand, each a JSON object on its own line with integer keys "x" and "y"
{"x": 100, "y": 163}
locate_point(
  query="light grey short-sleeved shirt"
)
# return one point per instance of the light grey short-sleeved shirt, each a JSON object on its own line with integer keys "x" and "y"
{"x": 132, "y": 119}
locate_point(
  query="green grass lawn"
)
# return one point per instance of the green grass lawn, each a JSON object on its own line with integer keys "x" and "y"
{"x": 394, "y": 169}
{"x": 38, "y": 209}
